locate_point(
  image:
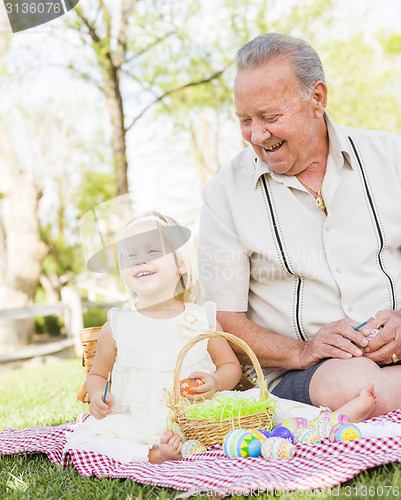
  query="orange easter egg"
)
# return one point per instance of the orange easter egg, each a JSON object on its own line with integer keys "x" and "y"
{"x": 186, "y": 385}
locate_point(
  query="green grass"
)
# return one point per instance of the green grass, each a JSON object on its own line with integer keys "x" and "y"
{"x": 46, "y": 395}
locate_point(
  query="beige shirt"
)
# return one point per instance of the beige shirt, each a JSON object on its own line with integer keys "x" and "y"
{"x": 266, "y": 249}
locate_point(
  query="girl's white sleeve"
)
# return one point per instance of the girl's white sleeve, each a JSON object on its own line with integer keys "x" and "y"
{"x": 210, "y": 310}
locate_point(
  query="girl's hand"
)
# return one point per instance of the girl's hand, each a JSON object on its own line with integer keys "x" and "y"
{"x": 99, "y": 409}
{"x": 205, "y": 391}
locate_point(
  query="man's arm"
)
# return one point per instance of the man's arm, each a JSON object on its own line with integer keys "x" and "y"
{"x": 334, "y": 340}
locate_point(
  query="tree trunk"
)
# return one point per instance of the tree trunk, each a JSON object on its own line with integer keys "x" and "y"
{"x": 115, "y": 106}
{"x": 116, "y": 113}
{"x": 21, "y": 251}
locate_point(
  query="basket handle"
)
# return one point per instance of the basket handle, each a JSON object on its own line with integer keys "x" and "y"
{"x": 228, "y": 336}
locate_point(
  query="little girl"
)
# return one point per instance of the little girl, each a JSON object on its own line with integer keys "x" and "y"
{"x": 140, "y": 344}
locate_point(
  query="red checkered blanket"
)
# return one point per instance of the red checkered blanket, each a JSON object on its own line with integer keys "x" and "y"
{"x": 313, "y": 466}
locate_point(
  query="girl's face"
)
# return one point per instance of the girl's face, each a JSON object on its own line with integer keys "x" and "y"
{"x": 148, "y": 264}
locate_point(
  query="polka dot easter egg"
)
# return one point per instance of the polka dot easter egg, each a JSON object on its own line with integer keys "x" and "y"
{"x": 276, "y": 448}
{"x": 192, "y": 447}
{"x": 187, "y": 384}
{"x": 283, "y": 432}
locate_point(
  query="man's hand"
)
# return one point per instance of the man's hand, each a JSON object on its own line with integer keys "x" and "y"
{"x": 335, "y": 340}
{"x": 99, "y": 409}
{"x": 388, "y": 341}
{"x": 206, "y": 391}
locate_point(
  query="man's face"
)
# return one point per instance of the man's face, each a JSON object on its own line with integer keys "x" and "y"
{"x": 275, "y": 118}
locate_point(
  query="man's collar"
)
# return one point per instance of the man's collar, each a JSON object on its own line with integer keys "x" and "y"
{"x": 338, "y": 147}
{"x": 338, "y": 143}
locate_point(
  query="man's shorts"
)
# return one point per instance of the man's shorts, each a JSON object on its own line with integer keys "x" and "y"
{"x": 295, "y": 384}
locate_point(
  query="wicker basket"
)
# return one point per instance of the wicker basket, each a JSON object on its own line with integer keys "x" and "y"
{"x": 212, "y": 431}
{"x": 89, "y": 340}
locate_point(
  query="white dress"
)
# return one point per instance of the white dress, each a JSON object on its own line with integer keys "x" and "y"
{"x": 147, "y": 351}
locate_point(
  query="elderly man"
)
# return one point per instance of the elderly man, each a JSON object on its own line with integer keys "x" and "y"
{"x": 300, "y": 236}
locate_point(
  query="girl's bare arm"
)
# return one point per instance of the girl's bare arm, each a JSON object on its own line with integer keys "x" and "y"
{"x": 102, "y": 365}
{"x": 228, "y": 369}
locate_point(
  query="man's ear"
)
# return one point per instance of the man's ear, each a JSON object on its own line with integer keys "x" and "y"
{"x": 319, "y": 98}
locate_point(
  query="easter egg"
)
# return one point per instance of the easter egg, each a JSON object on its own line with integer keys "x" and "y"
{"x": 186, "y": 385}
{"x": 308, "y": 436}
{"x": 192, "y": 447}
{"x": 259, "y": 434}
{"x": 325, "y": 429}
{"x": 282, "y": 432}
{"x": 295, "y": 423}
{"x": 250, "y": 446}
{"x": 338, "y": 418}
{"x": 321, "y": 427}
{"x": 276, "y": 448}
{"x": 344, "y": 432}
{"x": 230, "y": 442}
{"x": 317, "y": 426}
{"x": 241, "y": 443}
{"x": 372, "y": 334}
{"x": 265, "y": 432}
{"x": 333, "y": 418}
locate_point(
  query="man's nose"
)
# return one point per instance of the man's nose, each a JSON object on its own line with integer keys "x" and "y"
{"x": 260, "y": 133}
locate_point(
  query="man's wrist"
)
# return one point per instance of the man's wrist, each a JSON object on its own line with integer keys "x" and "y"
{"x": 303, "y": 361}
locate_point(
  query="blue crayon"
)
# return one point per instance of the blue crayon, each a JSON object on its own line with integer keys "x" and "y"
{"x": 107, "y": 386}
{"x": 363, "y": 324}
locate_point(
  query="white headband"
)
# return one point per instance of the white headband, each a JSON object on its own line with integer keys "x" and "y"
{"x": 147, "y": 218}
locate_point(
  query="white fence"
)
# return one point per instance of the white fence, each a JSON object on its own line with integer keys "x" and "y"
{"x": 70, "y": 307}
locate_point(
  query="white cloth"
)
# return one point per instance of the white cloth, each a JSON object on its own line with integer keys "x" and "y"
{"x": 265, "y": 248}
{"x": 375, "y": 430}
{"x": 147, "y": 351}
{"x": 120, "y": 449}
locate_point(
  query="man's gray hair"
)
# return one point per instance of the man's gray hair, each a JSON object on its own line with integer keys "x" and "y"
{"x": 305, "y": 61}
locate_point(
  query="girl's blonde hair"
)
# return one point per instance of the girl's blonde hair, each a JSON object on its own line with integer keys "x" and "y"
{"x": 188, "y": 288}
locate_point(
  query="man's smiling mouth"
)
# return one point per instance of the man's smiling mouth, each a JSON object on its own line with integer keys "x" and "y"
{"x": 274, "y": 148}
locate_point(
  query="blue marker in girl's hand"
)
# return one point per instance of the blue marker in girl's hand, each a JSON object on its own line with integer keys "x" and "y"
{"x": 107, "y": 386}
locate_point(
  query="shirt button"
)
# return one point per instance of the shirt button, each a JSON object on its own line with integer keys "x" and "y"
{"x": 190, "y": 318}
{"x": 338, "y": 269}
{"x": 327, "y": 228}
{"x": 349, "y": 308}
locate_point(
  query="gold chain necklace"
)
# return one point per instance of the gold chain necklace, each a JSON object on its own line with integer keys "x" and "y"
{"x": 319, "y": 198}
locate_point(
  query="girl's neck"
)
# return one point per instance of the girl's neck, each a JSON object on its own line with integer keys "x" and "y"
{"x": 161, "y": 310}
